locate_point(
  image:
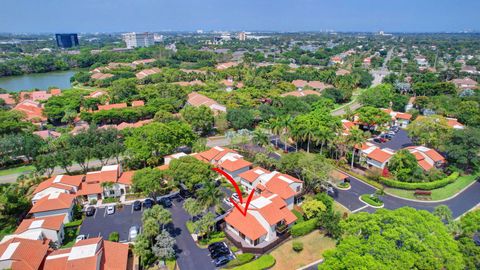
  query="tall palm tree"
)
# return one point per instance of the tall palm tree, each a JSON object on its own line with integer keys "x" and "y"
{"x": 309, "y": 134}
{"x": 355, "y": 137}
{"x": 260, "y": 137}
{"x": 286, "y": 123}
{"x": 209, "y": 195}
{"x": 276, "y": 127}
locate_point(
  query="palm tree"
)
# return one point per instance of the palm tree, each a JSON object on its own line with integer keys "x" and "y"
{"x": 309, "y": 134}
{"x": 355, "y": 137}
{"x": 296, "y": 134}
{"x": 260, "y": 137}
{"x": 286, "y": 124}
{"x": 209, "y": 195}
{"x": 276, "y": 127}
{"x": 192, "y": 207}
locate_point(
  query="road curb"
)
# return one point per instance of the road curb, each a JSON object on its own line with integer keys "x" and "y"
{"x": 369, "y": 205}
{"x": 311, "y": 264}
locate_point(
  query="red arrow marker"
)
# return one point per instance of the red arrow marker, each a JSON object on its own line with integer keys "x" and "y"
{"x": 237, "y": 189}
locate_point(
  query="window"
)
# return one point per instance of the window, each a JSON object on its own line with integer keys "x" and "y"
{"x": 256, "y": 242}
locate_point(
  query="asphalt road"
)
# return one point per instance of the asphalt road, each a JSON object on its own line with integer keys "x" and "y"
{"x": 463, "y": 202}
{"x": 189, "y": 255}
{"x": 399, "y": 141}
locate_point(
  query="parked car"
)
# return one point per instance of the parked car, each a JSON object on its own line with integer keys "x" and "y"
{"x": 377, "y": 140}
{"x": 80, "y": 238}
{"x": 137, "y": 205}
{"x": 227, "y": 201}
{"x": 386, "y": 136}
{"x": 222, "y": 260}
{"x": 235, "y": 197}
{"x": 110, "y": 210}
{"x": 90, "y": 211}
{"x": 216, "y": 245}
{"x": 132, "y": 233}
{"x": 219, "y": 252}
{"x": 395, "y": 128}
{"x": 185, "y": 193}
{"x": 166, "y": 202}
{"x": 148, "y": 203}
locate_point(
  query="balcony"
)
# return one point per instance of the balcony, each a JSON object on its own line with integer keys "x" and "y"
{"x": 281, "y": 229}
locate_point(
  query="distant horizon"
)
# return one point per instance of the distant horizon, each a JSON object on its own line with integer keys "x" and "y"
{"x": 115, "y": 16}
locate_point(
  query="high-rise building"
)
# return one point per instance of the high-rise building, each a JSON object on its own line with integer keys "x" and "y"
{"x": 135, "y": 40}
{"x": 242, "y": 36}
{"x": 66, "y": 40}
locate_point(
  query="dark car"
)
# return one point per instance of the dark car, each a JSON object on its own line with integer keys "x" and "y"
{"x": 137, "y": 205}
{"x": 185, "y": 193}
{"x": 148, "y": 203}
{"x": 222, "y": 260}
{"x": 166, "y": 202}
{"x": 90, "y": 211}
{"x": 219, "y": 252}
{"x": 216, "y": 245}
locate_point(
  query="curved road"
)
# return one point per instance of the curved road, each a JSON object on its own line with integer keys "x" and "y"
{"x": 459, "y": 205}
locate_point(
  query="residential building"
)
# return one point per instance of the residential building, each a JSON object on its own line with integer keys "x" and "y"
{"x": 57, "y": 184}
{"x": 267, "y": 218}
{"x": 192, "y": 83}
{"x": 53, "y": 205}
{"x": 111, "y": 106}
{"x": 347, "y": 126}
{"x": 35, "y": 95}
{"x": 50, "y": 228}
{"x": 66, "y": 40}
{"x": 398, "y": 118}
{"x": 33, "y": 110}
{"x": 242, "y": 36}
{"x": 143, "y": 61}
{"x": 342, "y": 72}
{"x": 101, "y": 76}
{"x": 147, "y": 72}
{"x": 465, "y": 83}
{"x": 92, "y": 253}
{"x": 453, "y": 123}
{"x": 136, "y": 40}
{"x": 110, "y": 181}
{"x": 196, "y": 100}
{"x": 8, "y": 98}
{"x": 470, "y": 70}
{"x": 231, "y": 85}
{"x": 427, "y": 158}
{"x": 23, "y": 254}
{"x": 301, "y": 93}
{"x": 336, "y": 60}
{"x": 317, "y": 85}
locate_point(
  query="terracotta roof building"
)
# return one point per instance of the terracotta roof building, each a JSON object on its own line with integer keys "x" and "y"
{"x": 147, "y": 72}
{"x": 196, "y": 100}
{"x": 23, "y": 254}
{"x": 32, "y": 109}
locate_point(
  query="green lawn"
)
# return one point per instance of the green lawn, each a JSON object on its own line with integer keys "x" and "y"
{"x": 16, "y": 170}
{"x": 439, "y": 193}
{"x": 264, "y": 262}
{"x": 70, "y": 236}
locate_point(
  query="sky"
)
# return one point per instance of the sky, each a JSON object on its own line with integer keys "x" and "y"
{"x": 47, "y": 16}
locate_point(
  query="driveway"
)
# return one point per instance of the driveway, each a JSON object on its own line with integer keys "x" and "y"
{"x": 399, "y": 141}
{"x": 459, "y": 205}
{"x": 189, "y": 255}
{"x": 102, "y": 224}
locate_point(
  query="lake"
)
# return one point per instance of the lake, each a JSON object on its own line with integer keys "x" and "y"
{"x": 39, "y": 80}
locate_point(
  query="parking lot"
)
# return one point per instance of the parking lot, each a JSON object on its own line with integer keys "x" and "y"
{"x": 398, "y": 141}
{"x": 102, "y": 224}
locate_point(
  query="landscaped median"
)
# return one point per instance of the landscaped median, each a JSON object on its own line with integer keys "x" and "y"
{"x": 371, "y": 200}
{"x": 438, "y": 194}
{"x": 420, "y": 185}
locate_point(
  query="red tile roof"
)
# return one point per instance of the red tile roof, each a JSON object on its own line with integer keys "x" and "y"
{"x": 60, "y": 181}
{"x": 301, "y": 93}
{"x": 280, "y": 187}
{"x": 8, "y": 99}
{"x": 138, "y": 103}
{"x": 435, "y": 156}
{"x": 126, "y": 178}
{"x": 226, "y": 65}
{"x": 89, "y": 189}
{"x": 147, "y": 72}
{"x": 251, "y": 175}
{"x": 25, "y": 254}
{"x": 55, "y": 201}
{"x": 425, "y": 165}
{"x": 234, "y": 165}
{"x": 55, "y": 91}
{"x": 101, "y": 76}
{"x": 248, "y": 225}
{"x": 379, "y": 155}
{"x": 52, "y": 223}
{"x": 33, "y": 110}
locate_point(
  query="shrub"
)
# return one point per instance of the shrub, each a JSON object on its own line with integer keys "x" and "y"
{"x": 304, "y": 228}
{"x": 297, "y": 246}
{"x": 75, "y": 223}
{"x": 241, "y": 260}
{"x": 233, "y": 249}
{"x": 114, "y": 237}
{"x": 423, "y": 185}
{"x": 372, "y": 200}
{"x": 344, "y": 185}
{"x": 264, "y": 262}
{"x": 110, "y": 200}
{"x": 93, "y": 201}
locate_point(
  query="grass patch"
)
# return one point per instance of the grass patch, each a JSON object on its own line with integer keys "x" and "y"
{"x": 16, "y": 170}
{"x": 171, "y": 264}
{"x": 314, "y": 245}
{"x": 213, "y": 238}
{"x": 343, "y": 185}
{"x": 111, "y": 200}
{"x": 374, "y": 201}
{"x": 189, "y": 225}
{"x": 264, "y": 262}
{"x": 74, "y": 223}
{"x": 241, "y": 260}
{"x": 439, "y": 193}
{"x": 362, "y": 178}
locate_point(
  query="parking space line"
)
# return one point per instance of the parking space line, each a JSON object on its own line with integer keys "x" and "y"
{"x": 95, "y": 214}
{"x": 105, "y": 212}
{"x": 131, "y": 212}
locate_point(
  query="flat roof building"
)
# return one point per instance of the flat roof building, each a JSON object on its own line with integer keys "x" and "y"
{"x": 135, "y": 40}
{"x": 67, "y": 40}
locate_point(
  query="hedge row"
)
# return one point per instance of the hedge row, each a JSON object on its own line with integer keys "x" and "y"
{"x": 304, "y": 227}
{"x": 241, "y": 260}
{"x": 422, "y": 185}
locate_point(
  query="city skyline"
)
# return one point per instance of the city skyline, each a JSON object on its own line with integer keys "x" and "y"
{"x": 266, "y": 15}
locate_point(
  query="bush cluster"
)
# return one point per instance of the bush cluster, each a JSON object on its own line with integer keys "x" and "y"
{"x": 304, "y": 228}
{"x": 423, "y": 185}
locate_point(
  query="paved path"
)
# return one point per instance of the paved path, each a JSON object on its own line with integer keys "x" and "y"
{"x": 12, "y": 178}
{"x": 459, "y": 205}
{"x": 189, "y": 255}
{"x": 341, "y": 111}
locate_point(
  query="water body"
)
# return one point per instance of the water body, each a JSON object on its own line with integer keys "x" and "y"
{"x": 39, "y": 80}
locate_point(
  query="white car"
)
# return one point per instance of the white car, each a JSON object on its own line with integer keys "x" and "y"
{"x": 110, "y": 210}
{"x": 132, "y": 233}
{"x": 80, "y": 238}
{"x": 235, "y": 197}
{"x": 227, "y": 201}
